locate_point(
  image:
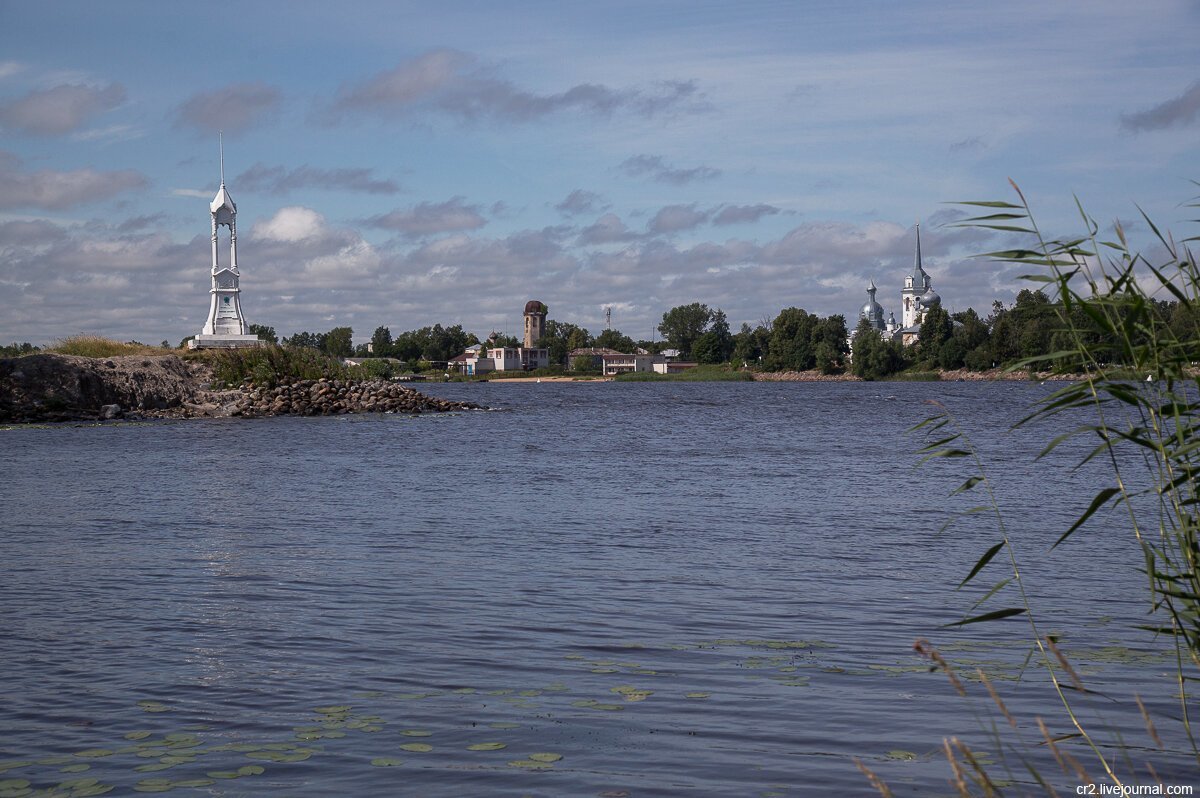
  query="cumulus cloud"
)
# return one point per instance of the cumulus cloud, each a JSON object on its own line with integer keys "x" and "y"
{"x": 294, "y": 223}
{"x": 278, "y": 180}
{"x": 10, "y": 68}
{"x": 656, "y": 168}
{"x": 579, "y": 202}
{"x": 55, "y": 190}
{"x": 608, "y": 229}
{"x": 60, "y": 110}
{"x": 674, "y": 218}
{"x": 738, "y": 214}
{"x": 429, "y": 218}
{"x": 1178, "y": 111}
{"x": 454, "y": 82}
{"x": 234, "y": 108}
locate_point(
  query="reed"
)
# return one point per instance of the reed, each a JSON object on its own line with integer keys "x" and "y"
{"x": 1137, "y": 385}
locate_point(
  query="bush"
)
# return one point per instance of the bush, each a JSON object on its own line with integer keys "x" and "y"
{"x": 272, "y": 365}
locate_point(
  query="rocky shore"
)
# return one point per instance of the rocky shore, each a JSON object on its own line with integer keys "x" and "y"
{"x": 51, "y": 387}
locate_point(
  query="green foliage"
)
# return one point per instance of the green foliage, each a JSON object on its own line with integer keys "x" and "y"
{"x": 750, "y": 344}
{"x": 613, "y": 339}
{"x": 16, "y": 350}
{"x": 682, "y": 325}
{"x": 585, "y": 364}
{"x": 272, "y": 365}
{"x": 377, "y": 368}
{"x": 561, "y": 338}
{"x": 1133, "y": 408}
{"x": 381, "y": 342}
{"x": 264, "y": 333}
{"x": 339, "y": 342}
{"x": 875, "y": 358}
{"x": 798, "y": 337}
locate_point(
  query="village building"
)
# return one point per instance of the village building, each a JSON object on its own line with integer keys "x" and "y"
{"x": 478, "y": 359}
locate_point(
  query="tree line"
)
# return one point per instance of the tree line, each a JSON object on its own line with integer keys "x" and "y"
{"x": 794, "y": 340}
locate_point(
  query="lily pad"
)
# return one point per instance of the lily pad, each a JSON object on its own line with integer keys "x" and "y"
{"x": 138, "y": 735}
{"x": 504, "y": 725}
{"x": 77, "y": 768}
{"x": 901, "y": 755}
{"x": 486, "y": 747}
{"x": 153, "y": 767}
{"x": 419, "y": 748}
{"x": 223, "y": 774}
{"x": 529, "y": 764}
{"x": 545, "y": 757}
{"x": 153, "y": 706}
{"x": 334, "y": 710}
{"x": 251, "y": 770}
{"x": 192, "y": 783}
{"x": 698, "y": 695}
{"x": 386, "y": 762}
{"x": 94, "y": 753}
{"x": 416, "y": 733}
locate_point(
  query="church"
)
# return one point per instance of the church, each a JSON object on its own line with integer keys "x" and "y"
{"x": 916, "y": 298}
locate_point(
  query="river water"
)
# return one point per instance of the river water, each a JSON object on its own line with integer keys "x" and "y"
{"x": 610, "y": 589}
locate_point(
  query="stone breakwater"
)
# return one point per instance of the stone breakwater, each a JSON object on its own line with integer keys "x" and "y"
{"x": 339, "y": 397}
{"x": 51, "y": 387}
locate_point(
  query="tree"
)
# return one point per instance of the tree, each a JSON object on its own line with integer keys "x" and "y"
{"x": 791, "y": 346}
{"x": 306, "y": 339}
{"x": 936, "y": 329}
{"x": 561, "y": 338}
{"x": 264, "y": 333}
{"x": 381, "y": 342}
{"x": 874, "y": 357}
{"x": 612, "y": 339}
{"x": 683, "y": 324}
{"x": 338, "y": 342}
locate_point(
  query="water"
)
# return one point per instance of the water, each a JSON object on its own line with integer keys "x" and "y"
{"x": 701, "y": 589}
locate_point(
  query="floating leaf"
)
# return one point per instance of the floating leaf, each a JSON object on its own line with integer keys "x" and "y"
{"x": 416, "y": 733}
{"x": 94, "y": 753}
{"x": 504, "y": 725}
{"x": 153, "y": 786}
{"x": 223, "y": 774}
{"x": 153, "y": 706}
{"x": 386, "y": 762}
{"x": 251, "y": 770}
{"x": 486, "y": 747}
{"x": 901, "y": 755}
{"x": 138, "y": 735}
{"x": 545, "y": 757}
{"x": 464, "y": 690}
{"x": 192, "y": 783}
{"x": 529, "y": 764}
{"x": 419, "y": 748}
{"x": 697, "y": 695}
{"x": 79, "y": 768}
{"x": 334, "y": 710}
{"x": 153, "y": 767}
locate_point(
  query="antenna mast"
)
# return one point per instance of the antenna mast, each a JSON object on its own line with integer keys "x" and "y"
{"x": 608, "y": 317}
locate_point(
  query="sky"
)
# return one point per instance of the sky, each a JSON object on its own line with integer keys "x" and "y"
{"x": 409, "y": 164}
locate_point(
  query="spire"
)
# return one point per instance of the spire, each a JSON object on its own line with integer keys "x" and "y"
{"x": 918, "y": 271}
{"x": 221, "y": 141}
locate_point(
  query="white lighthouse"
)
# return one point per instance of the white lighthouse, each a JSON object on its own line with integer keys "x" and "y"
{"x": 225, "y": 327}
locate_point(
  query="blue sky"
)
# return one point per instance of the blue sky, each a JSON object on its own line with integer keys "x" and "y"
{"x": 405, "y": 164}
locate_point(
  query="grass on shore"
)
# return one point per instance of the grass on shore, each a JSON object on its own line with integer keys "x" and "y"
{"x": 95, "y": 346}
{"x": 697, "y": 374}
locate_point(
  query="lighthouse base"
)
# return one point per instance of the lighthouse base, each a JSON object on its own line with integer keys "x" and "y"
{"x": 225, "y": 342}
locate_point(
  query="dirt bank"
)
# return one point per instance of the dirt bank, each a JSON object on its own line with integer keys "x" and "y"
{"x": 50, "y": 387}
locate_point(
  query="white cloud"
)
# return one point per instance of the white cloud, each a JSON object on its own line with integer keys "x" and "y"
{"x": 290, "y": 224}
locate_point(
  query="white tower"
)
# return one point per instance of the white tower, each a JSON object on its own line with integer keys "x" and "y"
{"x": 225, "y": 327}
{"x": 916, "y": 285}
